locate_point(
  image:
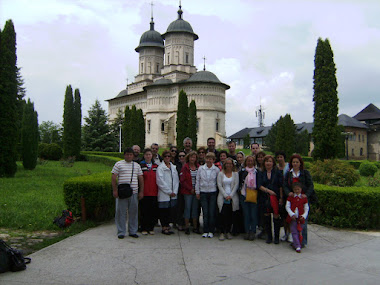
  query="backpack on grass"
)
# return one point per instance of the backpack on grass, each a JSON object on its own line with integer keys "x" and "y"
{"x": 11, "y": 259}
{"x": 65, "y": 220}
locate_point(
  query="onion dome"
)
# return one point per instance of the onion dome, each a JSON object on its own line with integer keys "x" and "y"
{"x": 151, "y": 38}
{"x": 180, "y": 26}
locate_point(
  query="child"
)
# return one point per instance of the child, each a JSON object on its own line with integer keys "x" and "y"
{"x": 297, "y": 208}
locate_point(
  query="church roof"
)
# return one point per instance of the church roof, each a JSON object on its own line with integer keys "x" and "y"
{"x": 162, "y": 81}
{"x": 151, "y": 38}
{"x": 122, "y": 93}
{"x": 347, "y": 121}
{"x": 180, "y": 26}
{"x": 371, "y": 112}
{"x": 204, "y": 76}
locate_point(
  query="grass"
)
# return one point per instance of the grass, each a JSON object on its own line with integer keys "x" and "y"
{"x": 32, "y": 199}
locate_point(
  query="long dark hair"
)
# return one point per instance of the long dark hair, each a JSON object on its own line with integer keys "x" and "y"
{"x": 296, "y": 155}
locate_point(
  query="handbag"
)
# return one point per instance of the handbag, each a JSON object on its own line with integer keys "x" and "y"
{"x": 11, "y": 259}
{"x": 125, "y": 190}
{"x": 251, "y": 195}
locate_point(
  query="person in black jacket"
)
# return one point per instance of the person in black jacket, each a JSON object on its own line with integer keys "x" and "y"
{"x": 297, "y": 173}
{"x": 270, "y": 184}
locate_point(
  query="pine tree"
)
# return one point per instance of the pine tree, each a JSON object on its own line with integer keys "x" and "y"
{"x": 302, "y": 143}
{"x": 326, "y": 134}
{"x": 8, "y": 101}
{"x": 29, "y": 136}
{"x": 192, "y": 127}
{"x": 21, "y": 91}
{"x": 77, "y": 123}
{"x": 68, "y": 124}
{"x": 182, "y": 118}
{"x": 96, "y": 131}
{"x": 133, "y": 127}
{"x": 270, "y": 139}
{"x": 140, "y": 126}
{"x": 286, "y": 132}
{"x": 246, "y": 141}
{"x": 127, "y": 128}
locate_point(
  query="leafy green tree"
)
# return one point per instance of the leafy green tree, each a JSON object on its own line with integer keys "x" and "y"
{"x": 68, "y": 124}
{"x": 29, "y": 136}
{"x": 96, "y": 131}
{"x": 182, "y": 118}
{"x": 20, "y": 109}
{"x": 286, "y": 133}
{"x": 49, "y": 132}
{"x": 140, "y": 126}
{"x": 127, "y": 128}
{"x": 246, "y": 141}
{"x": 8, "y": 101}
{"x": 325, "y": 131}
{"x": 77, "y": 123}
{"x": 133, "y": 127}
{"x": 192, "y": 127}
{"x": 302, "y": 143}
{"x": 270, "y": 139}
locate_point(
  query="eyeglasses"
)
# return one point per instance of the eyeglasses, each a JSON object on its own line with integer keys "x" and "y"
{"x": 167, "y": 156}
{"x": 173, "y": 150}
{"x": 181, "y": 156}
{"x": 201, "y": 152}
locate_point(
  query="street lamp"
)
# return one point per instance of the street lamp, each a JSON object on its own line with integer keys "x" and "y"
{"x": 347, "y": 134}
{"x": 120, "y": 138}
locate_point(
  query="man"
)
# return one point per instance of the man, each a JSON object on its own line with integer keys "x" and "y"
{"x": 255, "y": 149}
{"x": 232, "y": 150}
{"x": 136, "y": 153}
{"x": 211, "y": 148}
{"x": 157, "y": 159}
{"x": 187, "y": 144}
{"x": 127, "y": 172}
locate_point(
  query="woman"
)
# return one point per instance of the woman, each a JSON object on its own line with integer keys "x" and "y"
{"x": 167, "y": 182}
{"x": 149, "y": 208}
{"x": 240, "y": 157}
{"x": 261, "y": 219}
{"x": 297, "y": 173}
{"x": 180, "y": 200}
{"x": 260, "y": 161}
{"x": 228, "y": 199}
{"x": 248, "y": 179}
{"x": 201, "y": 155}
{"x": 188, "y": 178}
{"x": 174, "y": 155}
{"x": 270, "y": 185}
{"x": 222, "y": 158}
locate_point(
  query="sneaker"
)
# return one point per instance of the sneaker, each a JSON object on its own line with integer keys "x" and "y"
{"x": 229, "y": 236}
{"x": 246, "y": 236}
{"x": 285, "y": 237}
{"x": 120, "y": 236}
{"x": 144, "y": 233}
{"x": 210, "y": 235}
{"x": 221, "y": 237}
{"x": 133, "y": 235}
{"x": 204, "y": 235}
{"x": 151, "y": 233}
{"x": 298, "y": 249}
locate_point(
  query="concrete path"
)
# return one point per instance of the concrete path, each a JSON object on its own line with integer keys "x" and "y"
{"x": 97, "y": 256}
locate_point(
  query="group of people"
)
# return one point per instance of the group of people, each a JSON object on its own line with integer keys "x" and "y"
{"x": 235, "y": 193}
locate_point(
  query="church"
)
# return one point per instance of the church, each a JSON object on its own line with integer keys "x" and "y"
{"x": 166, "y": 66}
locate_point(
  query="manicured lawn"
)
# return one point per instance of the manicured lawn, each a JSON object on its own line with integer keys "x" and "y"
{"x": 32, "y": 199}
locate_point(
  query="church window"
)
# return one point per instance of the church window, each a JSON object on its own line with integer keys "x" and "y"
{"x": 162, "y": 126}
{"x": 198, "y": 126}
{"x": 187, "y": 57}
{"x": 148, "y": 127}
{"x": 142, "y": 68}
{"x": 168, "y": 58}
{"x": 217, "y": 126}
{"x": 361, "y": 151}
{"x": 177, "y": 57}
{"x": 157, "y": 68}
{"x": 149, "y": 68}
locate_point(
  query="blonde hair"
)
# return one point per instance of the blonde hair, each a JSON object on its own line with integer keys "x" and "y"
{"x": 233, "y": 164}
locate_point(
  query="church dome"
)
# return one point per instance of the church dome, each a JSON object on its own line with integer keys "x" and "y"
{"x": 204, "y": 76}
{"x": 180, "y": 26}
{"x": 151, "y": 38}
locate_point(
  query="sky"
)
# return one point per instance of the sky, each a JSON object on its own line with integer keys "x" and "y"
{"x": 263, "y": 49}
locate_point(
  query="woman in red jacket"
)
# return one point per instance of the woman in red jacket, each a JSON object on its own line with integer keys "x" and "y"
{"x": 187, "y": 179}
{"x": 149, "y": 206}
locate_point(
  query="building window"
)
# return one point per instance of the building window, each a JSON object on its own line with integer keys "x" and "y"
{"x": 198, "y": 126}
{"x": 162, "y": 126}
{"x": 361, "y": 151}
{"x": 217, "y": 125}
{"x": 187, "y": 57}
{"x": 352, "y": 152}
{"x": 363, "y": 138}
{"x": 142, "y": 68}
{"x": 148, "y": 126}
{"x": 158, "y": 68}
{"x": 359, "y": 138}
{"x": 168, "y": 57}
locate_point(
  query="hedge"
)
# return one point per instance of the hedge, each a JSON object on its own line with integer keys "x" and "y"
{"x": 97, "y": 191}
{"x": 347, "y": 207}
{"x": 107, "y": 160}
{"x": 103, "y": 153}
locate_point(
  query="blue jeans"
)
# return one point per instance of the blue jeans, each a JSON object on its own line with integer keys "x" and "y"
{"x": 131, "y": 205}
{"x": 191, "y": 207}
{"x": 304, "y": 230}
{"x": 208, "y": 203}
{"x": 250, "y": 215}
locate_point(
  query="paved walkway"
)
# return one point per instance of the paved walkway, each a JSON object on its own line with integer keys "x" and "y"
{"x": 96, "y": 256}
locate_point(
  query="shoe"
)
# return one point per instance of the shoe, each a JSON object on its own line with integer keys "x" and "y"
{"x": 151, "y": 233}
{"x": 205, "y": 235}
{"x": 144, "y": 233}
{"x": 252, "y": 236}
{"x": 171, "y": 232}
{"x": 303, "y": 245}
{"x": 221, "y": 237}
{"x": 247, "y": 236}
{"x": 298, "y": 249}
{"x": 261, "y": 235}
{"x": 187, "y": 231}
{"x": 133, "y": 235}
{"x": 165, "y": 232}
{"x": 285, "y": 237}
{"x": 196, "y": 231}
{"x": 120, "y": 236}
{"x": 210, "y": 235}
{"x": 229, "y": 236}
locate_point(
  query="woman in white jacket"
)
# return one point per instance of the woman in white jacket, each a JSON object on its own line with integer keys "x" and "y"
{"x": 228, "y": 198}
{"x": 167, "y": 182}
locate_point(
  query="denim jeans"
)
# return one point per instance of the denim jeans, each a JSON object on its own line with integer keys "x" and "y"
{"x": 250, "y": 215}
{"x": 208, "y": 203}
{"x": 191, "y": 207}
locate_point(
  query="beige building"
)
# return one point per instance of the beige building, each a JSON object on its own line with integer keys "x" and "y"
{"x": 166, "y": 66}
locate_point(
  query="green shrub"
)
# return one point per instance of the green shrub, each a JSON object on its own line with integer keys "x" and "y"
{"x": 103, "y": 153}
{"x": 349, "y": 207}
{"x": 367, "y": 169}
{"x": 96, "y": 189}
{"x": 377, "y": 163}
{"x": 334, "y": 172}
{"x": 355, "y": 163}
{"x": 307, "y": 165}
{"x": 50, "y": 151}
{"x": 107, "y": 160}
{"x": 373, "y": 182}
{"x": 307, "y": 159}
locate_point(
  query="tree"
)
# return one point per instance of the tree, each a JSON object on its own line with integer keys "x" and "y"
{"x": 325, "y": 131}
{"x": 182, "y": 118}
{"x": 192, "y": 127}
{"x": 127, "y": 128}
{"x": 302, "y": 143}
{"x": 140, "y": 127}
{"x": 246, "y": 141}
{"x": 77, "y": 123}
{"x": 20, "y": 103}
{"x": 69, "y": 124}
{"x": 96, "y": 131}
{"x": 270, "y": 139}
{"x": 49, "y": 132}
{"x": 115, "y": 128}
{"x": 29, "y": 136}
{"x": 8, "y": 101}
{"x": 286, "y": 132}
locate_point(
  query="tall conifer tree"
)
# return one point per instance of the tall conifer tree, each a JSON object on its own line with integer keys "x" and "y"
{"x": 192, "y": 127}
{"x": 29, "y": 136}
{"x": 68, "y": 124}
{"x": 325, "y": 131}
{"x": 8, "y": 101}
{"x": 77, "y": 123}
{"x": 127, "y": 128}
{"x": 141, "y": 129}
{"x": 182, "y": 118}
{"x": 286, "y": 132}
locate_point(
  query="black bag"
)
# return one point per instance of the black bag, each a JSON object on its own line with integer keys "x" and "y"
{"x": 125, "y": 190}
{"x": 65, "y": 220}
{"x": 12, "y": 259}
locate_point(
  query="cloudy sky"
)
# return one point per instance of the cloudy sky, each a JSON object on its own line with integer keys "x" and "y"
{"x": 263, "y": 49}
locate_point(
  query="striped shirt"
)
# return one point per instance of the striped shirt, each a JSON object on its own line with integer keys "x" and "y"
{"x": 123, "y": 170}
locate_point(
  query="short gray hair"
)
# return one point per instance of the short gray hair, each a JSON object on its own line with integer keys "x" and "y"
{"x": 188, "y": 139}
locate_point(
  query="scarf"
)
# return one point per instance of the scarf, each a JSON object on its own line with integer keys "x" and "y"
{"x": 250, "y": 180}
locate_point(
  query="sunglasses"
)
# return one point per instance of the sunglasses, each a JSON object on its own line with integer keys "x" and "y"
{"x": 173, "y": 150}
{"x": 167, "y": 156}
{"x": 181, "y": 156}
